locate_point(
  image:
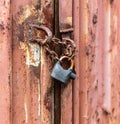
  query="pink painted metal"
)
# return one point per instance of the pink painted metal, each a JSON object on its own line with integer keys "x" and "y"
{"x": 96, "y": 30}
{"x": 26, "y": 89}
{"x": 66, "y": 22}
{"x": 25, "y": 93}
{"x": 5, "y": 62}
{"x": 32, "y": 99}
{"x": 76, "y": 24}
{"x": 45, "y": 81}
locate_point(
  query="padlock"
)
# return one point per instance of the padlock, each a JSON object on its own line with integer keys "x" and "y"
{"x": 61, "y": 74}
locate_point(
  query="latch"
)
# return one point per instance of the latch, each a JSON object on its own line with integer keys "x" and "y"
{"x": 68, "y": 50}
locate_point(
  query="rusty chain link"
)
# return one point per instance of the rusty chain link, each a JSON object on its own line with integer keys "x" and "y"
{"x": 66, "y": 43}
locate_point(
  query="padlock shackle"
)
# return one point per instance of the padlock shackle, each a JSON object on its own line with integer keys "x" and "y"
{"x": 66, "y": 57}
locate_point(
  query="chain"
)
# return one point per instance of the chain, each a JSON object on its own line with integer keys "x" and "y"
{"x": 68, "y": 45}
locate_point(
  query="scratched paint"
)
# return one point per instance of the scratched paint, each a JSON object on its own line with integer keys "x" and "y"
{"x": 97, "y": 33}
{"x": 94, "y": 97}
{"x": 26, "y": 59}
{"x": 66, "y": 22}
{"x": 32, "y": 53}
{"x": 26, "y": 12}
{"x": 32, "y": 50}
{"x": 5, "y": 62}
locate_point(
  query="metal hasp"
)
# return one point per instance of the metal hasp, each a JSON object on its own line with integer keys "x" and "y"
{"x": 61, "y": 74}
{"x": 41, "y": 28}
{"x": 68, "y": 45}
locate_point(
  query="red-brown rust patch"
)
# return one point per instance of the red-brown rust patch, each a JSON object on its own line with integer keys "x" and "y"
{"x": 47, "y": 99}
{"x": 111, "y": 1}
{"x": 20, "y": 35}
{"x": 64, "y": 26}
{"x": 25, "y": 15}
{"x": 35, "y": 71}
{"x": 2, "y": 27}
{"x": 94, "y": 19}
{"x": 47, "y": 16}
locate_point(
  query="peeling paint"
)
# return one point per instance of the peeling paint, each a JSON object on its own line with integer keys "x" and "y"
{"x": 26, "y": 15}
{"x": 32, "y": 52}
{"x": 26, "y": 12}
{"x": 26, "y": 64}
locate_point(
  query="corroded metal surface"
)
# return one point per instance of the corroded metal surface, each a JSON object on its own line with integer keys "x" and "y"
{"x": 26, "y": 73}
{"x": 5, "y": 62}
{"x": 45, "y": 80}
{"x": 65, "y": 17}
{"x": 32, "y": 99}
{"x": 65, "y": 22}
{"x": 76, "y": 98}
{"x": 97, "y": 40}
{"x": 93, "y": 98}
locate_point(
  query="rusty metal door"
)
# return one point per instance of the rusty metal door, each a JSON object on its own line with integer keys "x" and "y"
{"x": 28, "y": 94}
{"x": 32, "y": 94}
{"x": 96, "y": 89}
{"x": 36, "y": 98}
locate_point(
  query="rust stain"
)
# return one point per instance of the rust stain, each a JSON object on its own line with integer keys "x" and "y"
{"x": 101, "y": 77}
{"x": 66, "y": 23}
{"x": 94, "y": 19}
{"x": 21, "y": 32}
{"x": 5, "y": 62}
{"x": 26, "y": 69}
{"x": 45, "y": 80}
{"x": 65, "y": 17}
{"x": 111, "y": 1}
{"x": 97, "y": 63}
{"x": 27, "y": 15}
{"x": 2, "y": 27}
{"x": 47, "y": 99}
{"x": 26, "y": 12}
{"x": 47, "y": 14}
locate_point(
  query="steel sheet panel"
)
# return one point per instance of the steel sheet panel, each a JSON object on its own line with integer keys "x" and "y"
{"x": 5, "y": 62}
{"x": 98, "y": 66}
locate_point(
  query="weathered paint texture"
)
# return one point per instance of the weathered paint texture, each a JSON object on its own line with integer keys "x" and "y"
{"x": 96, "y": 89}
{"x": 45, "y": 80}
{"x": 5, "y": 62}
{"x": 31, "y": 92}
{"x": 27, "y": 93}
{"x": 66, "y": 22}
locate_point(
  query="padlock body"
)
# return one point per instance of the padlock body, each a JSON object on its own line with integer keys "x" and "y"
{"x": 60, "y": 73}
